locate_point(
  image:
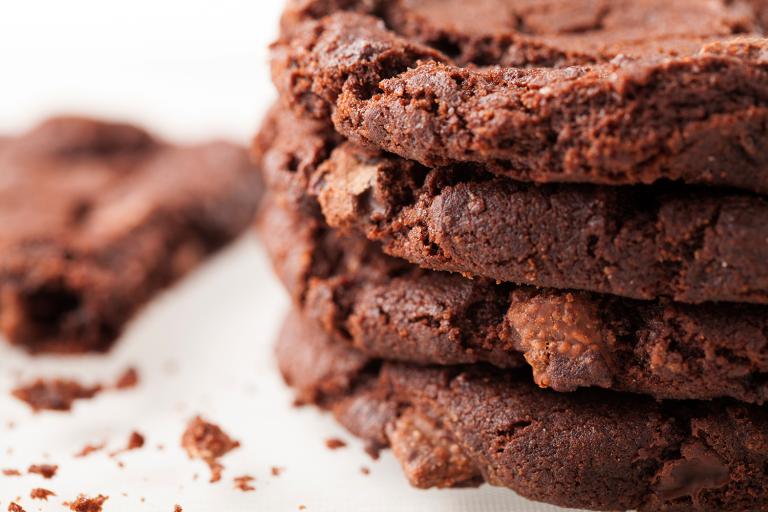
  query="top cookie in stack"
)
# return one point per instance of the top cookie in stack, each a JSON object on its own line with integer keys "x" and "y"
{"x": 570, "y": 187}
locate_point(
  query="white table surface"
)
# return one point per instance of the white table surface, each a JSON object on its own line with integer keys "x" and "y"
{"x": 189, "y": 70}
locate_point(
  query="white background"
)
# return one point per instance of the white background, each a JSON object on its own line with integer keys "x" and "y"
{"x": 188, "y": 70}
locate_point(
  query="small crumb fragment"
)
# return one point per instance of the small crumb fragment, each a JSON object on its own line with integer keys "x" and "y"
{"x": 373, "y": 451}
{"x": 54, "y": 395}
{"x": 206, "y": 441}
{"x": 129, "y": 379}
{"x": 13, "y": 507}
{"x": 335, "y": 443}
{"x": 135, "y": 441}
{"x": 11, "y": 472}
{"x": 177, "y": 508}
{"x": 89, "y": 449}
{"x": 47, "y": 471}
{"x": 302, "y": 507}
{"x": 85, "y": 504}
{"x": 277, "y": 471}
{"x": 243, "y": 483}
{"x": 365, "y": 470}
{"x": 41, "y": 494}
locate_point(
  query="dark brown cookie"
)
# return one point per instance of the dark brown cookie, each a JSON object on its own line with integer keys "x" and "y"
{"x": 693, "y": 109}
{"x": 545, "y": 33}
{"x": 98, "y": 217}
{"x": 388, "y": 308}
{"x": 590, "y": 449}
{"x": 691, "y": 244}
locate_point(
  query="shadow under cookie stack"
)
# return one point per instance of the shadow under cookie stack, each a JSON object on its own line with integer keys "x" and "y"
{"x": 527, "y": 241}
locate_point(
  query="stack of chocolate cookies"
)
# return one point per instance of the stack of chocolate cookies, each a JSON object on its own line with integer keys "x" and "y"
{"x": 527, "y": 241}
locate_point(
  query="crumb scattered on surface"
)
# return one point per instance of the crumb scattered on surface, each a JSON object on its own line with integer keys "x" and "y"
{"x": 365, "y": 470}
{"x": 206, "y": 441}
{"x": 47, "y": 471}
{"x": 335, "y": 443}
{"x": 89, "y": 449}
{"x": 177, "y": 508}
{"x": 11, "y": 472}
{"x": 277, "y": 470}
{"x": 302, "y": 507}
{"x": 85, "y": 504}
{"x": 54, "y": 395}
{"x": 243, "y": 483}
{"x": 373, "y": 452}
{"x": 135, "y": 441}
{"x": 13, "y": 507}
{"x": 129, "y": 379}
{"x": 41, "y": 494}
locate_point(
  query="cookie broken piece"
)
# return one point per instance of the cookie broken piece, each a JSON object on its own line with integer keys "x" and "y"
{"x": 608, "y": 451}
{"x": 84, "y": 503}
{"x": 393, "y": 310}
{"x": 98, "y": 217}
{"x": 54, "y": 395}
{"x": 692, "y": 109}
{"x": 207, "y": 442}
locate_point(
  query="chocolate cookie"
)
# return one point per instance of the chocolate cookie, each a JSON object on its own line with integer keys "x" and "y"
{"x": 590, "y": 449}
{"x": 545, "y": 33}
{"x": 691, "y": 244}
{"x": 98, "y": 217}
{"x": 690, "y": 108}
{"x": 388, "y": 308}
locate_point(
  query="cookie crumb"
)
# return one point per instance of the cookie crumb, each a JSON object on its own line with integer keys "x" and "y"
{"x": 13, "y": 507}
{"x": 41, "y": 494}
{"x": 244, "y": 483}
{"x": 85, "y": 504}
{"x": 54, "y": 395}
{"x": 335, "y": 443}
{"x": 89, "y": 449}
{"x": 129, "y": 379}
{"x": 135, "y": 441}
{"x": 47, "y": 471}
{"x": 177, "y": 508}
{"x": 11, "y": 472}
{"x": 302, "y": 507}
{"x": 276, "y": 470}
{"x": 365, "y": 470}
{"x": 206, "y": 441}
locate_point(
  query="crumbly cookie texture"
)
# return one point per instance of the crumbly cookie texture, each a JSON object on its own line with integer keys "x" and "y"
{"x": 388, "y": 308}
{"x": 98, "y": 217}
{"x": 688, "y": 243}
{"x": 682, "y": 108}
{"x": 591, "y": 449}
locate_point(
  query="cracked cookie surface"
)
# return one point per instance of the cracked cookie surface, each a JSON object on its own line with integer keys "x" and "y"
{"x": 390, "y": 309}
{"x": 591, "y": 449}
{"x": 690, "y": 244}
{"x": 681, "y": 106}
